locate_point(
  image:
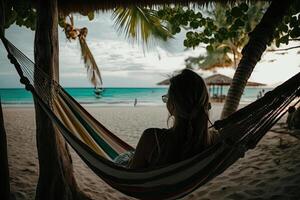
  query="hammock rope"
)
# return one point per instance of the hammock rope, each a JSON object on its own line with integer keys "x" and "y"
{"x": 97, "y": 146}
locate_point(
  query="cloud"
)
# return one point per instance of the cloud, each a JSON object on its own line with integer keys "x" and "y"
{"x": 125, "y": 64}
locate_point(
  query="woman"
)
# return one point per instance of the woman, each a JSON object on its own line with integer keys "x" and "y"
{"x": 187, "y": 102}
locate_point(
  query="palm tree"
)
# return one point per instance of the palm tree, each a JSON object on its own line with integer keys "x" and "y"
{"x": 228, "y": 52}
{"x": 140, "y": 24}
{"x": 137, "y": 24}
{"x": 252, "y": 52}
{"x": 73, "y": 33}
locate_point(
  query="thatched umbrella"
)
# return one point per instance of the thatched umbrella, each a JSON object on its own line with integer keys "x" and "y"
{"x": 215, "y": 84}
{"x": 217, "y": 81}
{"x": 220, "y": 79}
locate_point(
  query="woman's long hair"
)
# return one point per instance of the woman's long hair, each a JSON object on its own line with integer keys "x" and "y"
{"x": 188, "y": 103}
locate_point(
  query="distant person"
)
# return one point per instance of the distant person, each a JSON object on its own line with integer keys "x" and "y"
{"x": 135, "y": 102}
{"x": 188, "y": 103}
{"x": 293, "y": 119}
{"x": 259, "y": 95}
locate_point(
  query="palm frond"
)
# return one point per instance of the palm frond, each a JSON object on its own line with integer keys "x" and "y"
{"x": 92, "y": 68}
{"x": 140, "y": 24}
{"x": 216, "y": 59}
{"x": 213, "y": 59}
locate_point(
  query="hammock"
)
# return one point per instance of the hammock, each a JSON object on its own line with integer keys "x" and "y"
{"x": 97, "y": 146}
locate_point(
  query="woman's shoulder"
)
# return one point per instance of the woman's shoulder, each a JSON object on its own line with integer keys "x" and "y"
{"x": 156, "y": 131}
{"x": 156, "y": 135}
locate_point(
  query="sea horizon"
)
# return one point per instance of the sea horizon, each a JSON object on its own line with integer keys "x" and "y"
{"x": 115, "y": 96}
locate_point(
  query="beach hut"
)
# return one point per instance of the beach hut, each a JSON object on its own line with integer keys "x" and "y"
{"x": 215, "y": 85}
{"x": 216, "y": 82}
{"x": 56, "y": 171}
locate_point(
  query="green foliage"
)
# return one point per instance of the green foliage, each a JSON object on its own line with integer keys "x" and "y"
{"x": 140, "y": 24}
{"x": 225, "y": 31}
{"x": 289, "y": 28}
{"x": 219, "y": 26}
{"x": 222, "y": 31}
{"x": 21, "y": 13}
{"x": 91, "y": 16}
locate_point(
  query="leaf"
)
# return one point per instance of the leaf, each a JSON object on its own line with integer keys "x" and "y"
{"x": 205, "y": 40}
{"x": 295, "y": 33}
{"x": 189, "y": 34}
{"x": 284, "y": 39}
{"x": 61, "y": 21}
{"x": 239, "y": 22}
{"x": 223, "y": 31}
{"x": 283, "y": 27}
{"x": 12, "y": 16}
{"x": 90, "y": 63}
{"x": 141, "y": 24}
{"x": 236, "y": 12}
{"x": 194, "y": 24}
{"x": 229, "y": 19}
{"x": 207, "y": 32}
{"x": 186, "y": 43}
{"x": 293, "y": 22}
{"x": 199, "y": 15}
{"x": 286, "y": 19}
{"x": 91, "y": 16}
{"x": 210, "y": 48}
{"x": 178, "y": 29}
{"x": 244, "y": 7}
{"x": 277, "y": 43}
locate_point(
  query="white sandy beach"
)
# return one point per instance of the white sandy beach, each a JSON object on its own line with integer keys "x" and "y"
{"x": 270, "y": 171}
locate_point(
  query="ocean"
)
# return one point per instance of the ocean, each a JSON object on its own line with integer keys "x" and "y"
{"x": 113, "y": 96}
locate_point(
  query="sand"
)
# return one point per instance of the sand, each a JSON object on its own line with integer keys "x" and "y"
{"x": 270, "y": 171}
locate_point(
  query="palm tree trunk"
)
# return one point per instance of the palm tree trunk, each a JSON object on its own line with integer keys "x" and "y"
{"x": 252, "y": 52}
{"x": 4, "y": 171}
{"x": 2, "y": 16}
{"x": 56, "y": 179}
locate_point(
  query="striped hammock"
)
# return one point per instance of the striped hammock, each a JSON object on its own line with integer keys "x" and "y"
{"x": 97, "y": 146}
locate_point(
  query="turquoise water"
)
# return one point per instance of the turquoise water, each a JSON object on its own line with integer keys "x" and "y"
{"x": 112, "y": 96}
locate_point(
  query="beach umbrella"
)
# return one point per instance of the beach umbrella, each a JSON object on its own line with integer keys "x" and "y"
{"x": 220, "y": 79}
{"x": 216, "y": 79}
{"x": 215, "y": 84}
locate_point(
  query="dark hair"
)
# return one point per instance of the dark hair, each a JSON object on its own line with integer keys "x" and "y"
{"x": 188, "y": 103}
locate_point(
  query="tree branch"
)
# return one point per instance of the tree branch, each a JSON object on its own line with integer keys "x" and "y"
{"x": 286, "y": 49}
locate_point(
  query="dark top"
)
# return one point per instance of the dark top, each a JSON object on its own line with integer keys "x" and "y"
{"x": 156, "y": 147}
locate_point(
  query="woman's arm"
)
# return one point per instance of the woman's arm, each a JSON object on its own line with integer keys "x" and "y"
{"x": 142, "y": 152}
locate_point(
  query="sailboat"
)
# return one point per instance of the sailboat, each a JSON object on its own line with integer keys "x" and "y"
{"x": 98, "y": 91}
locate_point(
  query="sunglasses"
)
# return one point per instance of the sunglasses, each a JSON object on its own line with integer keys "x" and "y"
{"x": 164, "y": 98}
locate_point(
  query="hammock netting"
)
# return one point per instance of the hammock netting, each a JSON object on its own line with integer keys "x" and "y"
{"x": 97, "y": 146}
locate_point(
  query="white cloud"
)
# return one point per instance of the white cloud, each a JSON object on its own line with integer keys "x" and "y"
{"x": 124, "y": 64}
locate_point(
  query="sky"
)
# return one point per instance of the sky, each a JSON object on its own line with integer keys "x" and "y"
{"x": 124, "y": 64}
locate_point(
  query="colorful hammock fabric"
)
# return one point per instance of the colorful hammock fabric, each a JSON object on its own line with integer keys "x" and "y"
{"x": 97, "y": 146}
